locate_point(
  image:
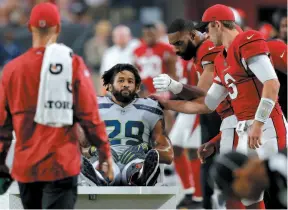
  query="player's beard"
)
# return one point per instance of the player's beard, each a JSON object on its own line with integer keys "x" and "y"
{"x": 189, "y": 53}
{"x": 126, "y": 99}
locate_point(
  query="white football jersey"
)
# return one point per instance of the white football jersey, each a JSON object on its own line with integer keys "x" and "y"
{"x": 129, "y": 125}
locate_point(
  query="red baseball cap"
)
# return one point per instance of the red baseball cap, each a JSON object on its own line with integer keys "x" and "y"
{"x": 44, "y": 15}
{"x": 217, "y": 12}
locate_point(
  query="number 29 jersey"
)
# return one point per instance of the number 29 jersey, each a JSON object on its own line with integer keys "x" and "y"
{"x": 129, "y": 125}
{"x": 232, "y": 71}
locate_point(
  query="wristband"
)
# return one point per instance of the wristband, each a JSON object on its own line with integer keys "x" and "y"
{"x": 264, "y": 109}
{"x": 175, "y": 87}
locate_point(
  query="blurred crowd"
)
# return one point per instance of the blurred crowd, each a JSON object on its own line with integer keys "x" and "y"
{"x": 108, "y": 42}
{"x": 16, "y": 12}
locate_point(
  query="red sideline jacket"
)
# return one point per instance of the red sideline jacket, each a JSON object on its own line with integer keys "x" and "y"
{"x": 45, "y": 153}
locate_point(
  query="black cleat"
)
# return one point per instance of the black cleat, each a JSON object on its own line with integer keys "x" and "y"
{"x": 188, "y": 203}
{"x": 88, "y": 171}
{"x": 150, "y": 169}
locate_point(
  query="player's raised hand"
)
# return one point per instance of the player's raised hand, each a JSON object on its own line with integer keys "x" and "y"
{"x": 161, "y": 83}
{"x": 205, "y": 150}
{"x": 254, "y": 135}
{"x": 164, "y": 83}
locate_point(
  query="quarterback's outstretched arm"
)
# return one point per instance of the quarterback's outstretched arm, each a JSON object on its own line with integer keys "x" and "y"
{"x": 189, "y": 92}
{"x": 196, "y": 106}
{"x": 162, "y": 143}
{"x": 215, "y": 95}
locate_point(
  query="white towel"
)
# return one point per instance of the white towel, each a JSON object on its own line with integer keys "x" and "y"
{"x": 55, "y": 99}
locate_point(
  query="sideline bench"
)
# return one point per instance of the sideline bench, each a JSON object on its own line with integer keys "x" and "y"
{"x": 156, "y": 197}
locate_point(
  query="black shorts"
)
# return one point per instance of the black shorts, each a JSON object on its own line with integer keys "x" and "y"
{"x": 210, "y": 125}
{"x": 60, "y": 194}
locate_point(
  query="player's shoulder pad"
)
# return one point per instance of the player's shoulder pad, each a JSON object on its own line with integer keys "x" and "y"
{"x": 248, "y": 36}
{"x": 206, "y": 48}
{"x": 104, "y": 102}
{"x": 149, "y": 105}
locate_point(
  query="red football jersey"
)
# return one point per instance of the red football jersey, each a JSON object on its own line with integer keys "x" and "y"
{"x": 44, "y": 153}
{"x": 151, "y": 62}
{"x": 278, "y": 52}
{"x": 244, "y": 88}
{"x": 206, "y": 53}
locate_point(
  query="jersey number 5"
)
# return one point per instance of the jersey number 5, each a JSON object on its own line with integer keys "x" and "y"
{"x": 133, "y": 129}
{"x": 229, "y": 80}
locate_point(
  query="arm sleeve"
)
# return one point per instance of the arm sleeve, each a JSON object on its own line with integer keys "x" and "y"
{"x": 6, "y": 126}
{"x": 86, "y": 110}
{"x": 215, "y": 95}
{"x": 262, "y": 67}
